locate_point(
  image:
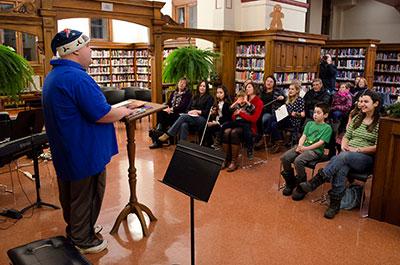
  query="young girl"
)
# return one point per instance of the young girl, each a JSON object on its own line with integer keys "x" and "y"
{"x": 295, "y": 105}
{"x": 342, "y": 102}
{"x": 341, "y": 105}
{"x": 220, "y": 115}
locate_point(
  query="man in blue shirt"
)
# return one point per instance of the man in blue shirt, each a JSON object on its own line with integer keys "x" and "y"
{"x": 79, "y": 125}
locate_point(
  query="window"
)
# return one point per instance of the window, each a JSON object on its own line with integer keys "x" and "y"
{"x": 193, "y": 16}
{"x": 8, "y": 38}
{"x": 99, "y": 28}
{"x": 6, "y": 7}
{"x": 185, "y": 12}
{"x": 181, "y": 15}
{"x": 29, "y": 46}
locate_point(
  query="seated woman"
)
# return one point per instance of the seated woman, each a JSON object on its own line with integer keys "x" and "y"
{"x": 220, "y": 114}
{"x": 197, "y": 116}
{"x": 178, "y": 103}
{"x": 272, "y": 97}
{"x": 358, "y": 149}
{"x": 244, "y": 125}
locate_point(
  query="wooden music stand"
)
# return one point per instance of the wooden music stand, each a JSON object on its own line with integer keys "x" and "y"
{"x": 133, "y": 205}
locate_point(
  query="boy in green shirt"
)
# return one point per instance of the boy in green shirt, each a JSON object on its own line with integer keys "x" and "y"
{"x": 311, "y": 147}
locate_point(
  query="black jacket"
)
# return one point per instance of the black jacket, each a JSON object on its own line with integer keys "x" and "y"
{"x": 327, "y": 73}
{"x": 311, "y": 98}
{"x": 203, "y": 103}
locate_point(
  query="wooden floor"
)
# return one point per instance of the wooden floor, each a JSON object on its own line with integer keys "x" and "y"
{"x": 247, "y": 221}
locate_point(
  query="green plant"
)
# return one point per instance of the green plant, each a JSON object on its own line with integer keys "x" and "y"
{"x": 190, "y": 62}
{"x": 15, "y": 72}
{"x": 393, "y": 110}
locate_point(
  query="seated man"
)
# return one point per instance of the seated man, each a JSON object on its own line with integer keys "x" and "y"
{"x": 315, "y": 95}
{"x": 310, "y": 147}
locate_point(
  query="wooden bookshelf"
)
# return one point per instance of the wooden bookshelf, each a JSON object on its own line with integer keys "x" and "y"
{"x": 284, "y": 54}
{"x": 387, "y": 70}
{"x": 353, "y": 58}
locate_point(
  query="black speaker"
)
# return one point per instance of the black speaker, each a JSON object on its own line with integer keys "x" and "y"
{"x": 194, "y": 169}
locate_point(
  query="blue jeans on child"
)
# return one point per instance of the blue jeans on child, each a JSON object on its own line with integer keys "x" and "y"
{"x": 339, "y": 166}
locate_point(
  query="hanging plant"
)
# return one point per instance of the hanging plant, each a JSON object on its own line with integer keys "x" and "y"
{"x": 15, "y": 72}
{"x": 190, "y": 62}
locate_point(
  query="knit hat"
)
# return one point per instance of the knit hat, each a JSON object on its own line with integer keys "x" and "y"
{"x": 68, "y": 41}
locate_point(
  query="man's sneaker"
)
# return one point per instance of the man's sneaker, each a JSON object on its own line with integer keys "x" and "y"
{"x": 95, "y": 249}
{"x": 97, "y": 229}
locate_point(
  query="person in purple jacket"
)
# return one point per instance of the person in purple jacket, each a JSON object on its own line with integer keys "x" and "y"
{"x": 341, "y": 106}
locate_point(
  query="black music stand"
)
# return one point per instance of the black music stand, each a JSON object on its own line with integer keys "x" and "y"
{"x": 193, "y": 170}
{"x": 36, "y": 123}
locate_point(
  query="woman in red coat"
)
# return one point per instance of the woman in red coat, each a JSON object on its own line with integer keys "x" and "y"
{"x": 247, "y": 110}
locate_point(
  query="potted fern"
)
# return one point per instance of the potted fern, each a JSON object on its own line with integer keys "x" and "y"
{"x": 190, "y": 62}
{"x": 15, "y": 73}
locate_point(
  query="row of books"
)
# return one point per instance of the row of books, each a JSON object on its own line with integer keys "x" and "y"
{"x": 383, "y": 67}
{"x": 351, "y": 64}
{"x": 351, "y": 52}
{"x": 127, "y": 77}
{"x": 142, "y": 70}
{"x": 142, "y": 77}
{"x": 142, "y": 53}
{"x": 389, "y": 79}
{"x": 242, "y": 76}
{"x": 122, "y": 53}
{"x": 99, "y": 70}
{"x": 101, "y": 78}
{"x": 122, "y": 69}
{"x": 392, "y": 90}
{"x": 347, "y": 75}
{"x": 142, "y": 84}
{"x": 250, "y": 50}
{"x": 250, "y": 64}
{"x": 395, "y": 56}
{"x": 100, "y": 53}
{"x": 142, "y": 61}
{"x": 287, "y": 78}
{"x": 122, "y": 61}
{"x": 100, "y": 62}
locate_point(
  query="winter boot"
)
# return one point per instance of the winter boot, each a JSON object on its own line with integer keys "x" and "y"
{"x": 314, "y": 183}
{"x": 290, "y": 182}
{"x": 235, "y": 155}
{"x": 334, "y": 205}
{"x": 299, "y": 193}
{"x": 228, "y": 155}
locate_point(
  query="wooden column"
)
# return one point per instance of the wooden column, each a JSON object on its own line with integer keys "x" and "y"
{"x": 385, "y": 192}
{"x": 49, "y": 30}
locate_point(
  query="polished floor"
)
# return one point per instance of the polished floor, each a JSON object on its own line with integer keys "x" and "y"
{"x": 246, "y": 221}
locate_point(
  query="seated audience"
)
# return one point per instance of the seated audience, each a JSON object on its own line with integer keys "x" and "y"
{"x": 178, "y": 103}
{"x": 243, "y": 125}
{"x": 358, "y": 149}
{"x": 311, "y": 147}
{"x": 359, "y": 89}
{"x": 341, "y": 106}
{"x": 295, "y": 108}
{"x": 196, "y": 118}
{"x": 315, "y": 95}
{"x": 272, "y": 97}
{"x": 220, "y": 114}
